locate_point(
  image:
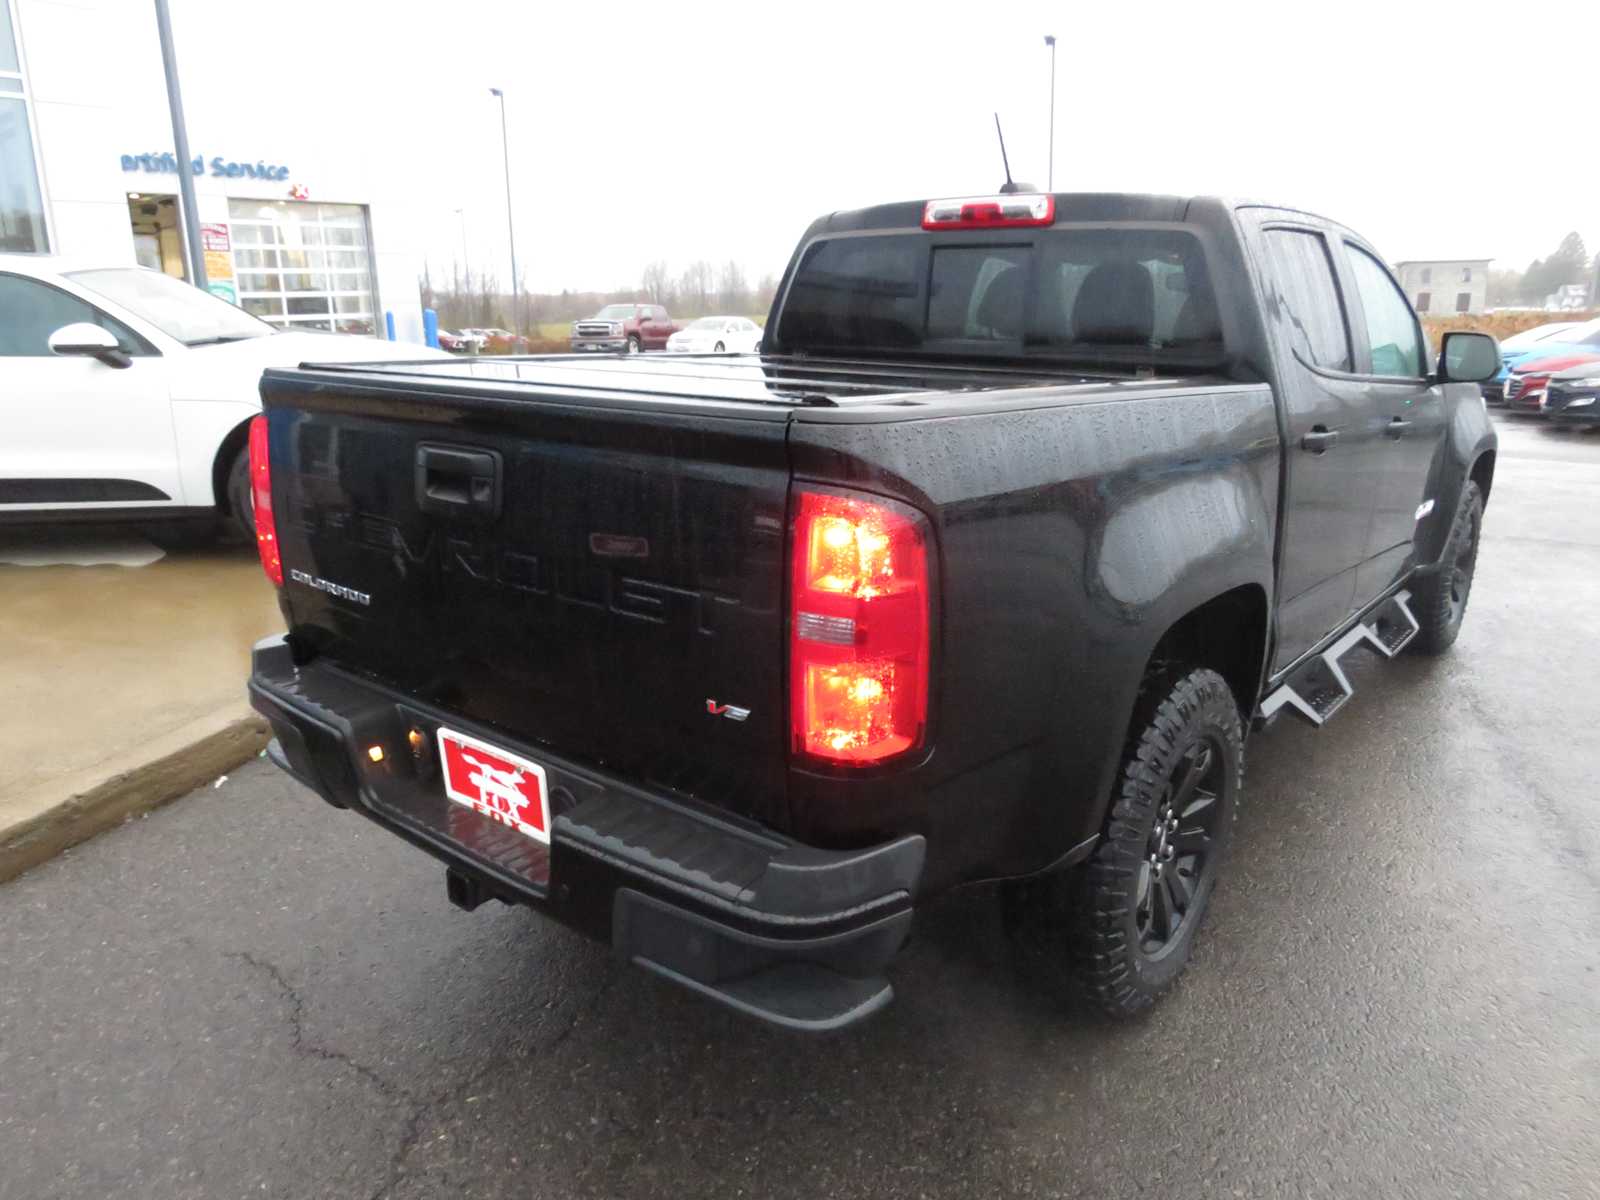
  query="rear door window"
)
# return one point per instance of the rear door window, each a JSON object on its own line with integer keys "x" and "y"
{"x": 1300, "y": 278}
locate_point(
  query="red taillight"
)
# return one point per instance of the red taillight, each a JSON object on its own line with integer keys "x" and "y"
{"x": 858, "y": 629}
{"x": 990, "y": 212}
{"x": 261, "y": 499}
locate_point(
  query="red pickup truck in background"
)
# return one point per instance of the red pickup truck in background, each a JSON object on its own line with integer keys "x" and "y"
{"x": 627, "y": 327}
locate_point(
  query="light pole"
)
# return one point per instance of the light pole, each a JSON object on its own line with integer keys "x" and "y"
{"x": 1050, "y": 40}
{"x": 180, "y": 143}
{"x": 511, "y": 229}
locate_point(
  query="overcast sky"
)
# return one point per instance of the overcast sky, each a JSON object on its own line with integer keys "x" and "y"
{"x": 691, "y": 130}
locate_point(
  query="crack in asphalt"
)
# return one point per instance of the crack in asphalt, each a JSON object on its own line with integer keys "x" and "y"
{"x": 420, "y": 1107}
{"x": 302, "y": 1045}
{"x": 412, "y": 1134}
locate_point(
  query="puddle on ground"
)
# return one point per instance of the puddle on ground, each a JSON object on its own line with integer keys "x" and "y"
{"x": 76, "y": 548}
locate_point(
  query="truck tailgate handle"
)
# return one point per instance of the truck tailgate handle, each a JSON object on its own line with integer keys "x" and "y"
{"x": 1319, "y": 439}
{"x": 458, "y": 481}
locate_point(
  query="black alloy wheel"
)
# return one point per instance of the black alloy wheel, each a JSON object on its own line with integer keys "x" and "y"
{"x": 1439, "y": 598}
{"x": 1179, "y": 862}
{"x": 1462, "y": 566}
{"x": 1125, "y": 920}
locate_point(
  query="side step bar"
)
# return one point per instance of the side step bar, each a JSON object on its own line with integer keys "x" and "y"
{"x": 1319, "y": 688}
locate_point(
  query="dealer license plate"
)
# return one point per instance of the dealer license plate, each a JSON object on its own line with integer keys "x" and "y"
{"x": 495, "y": 783}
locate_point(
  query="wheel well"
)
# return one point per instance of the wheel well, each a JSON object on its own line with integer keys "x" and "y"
{"x": 1227, "y": 633}
{"x": 231, "y": 445}
{"x": 1482, "y": 473}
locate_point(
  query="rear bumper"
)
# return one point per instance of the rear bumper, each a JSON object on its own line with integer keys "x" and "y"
{"x": 789, "y": 934}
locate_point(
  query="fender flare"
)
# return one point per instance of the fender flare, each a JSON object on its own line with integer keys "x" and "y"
{"x": 1468, "y": 452}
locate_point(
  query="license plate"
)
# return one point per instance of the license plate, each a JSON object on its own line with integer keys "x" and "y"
{"x": 495, "y": 783}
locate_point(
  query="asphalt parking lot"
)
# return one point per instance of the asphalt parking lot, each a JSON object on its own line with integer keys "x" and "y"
{"x": 248, "y": 993}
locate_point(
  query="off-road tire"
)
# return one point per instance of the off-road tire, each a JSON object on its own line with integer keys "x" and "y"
{"x": 1439, "y": 599}
{"x": 241, "y": 521}
{"x": 1090, "y": 918}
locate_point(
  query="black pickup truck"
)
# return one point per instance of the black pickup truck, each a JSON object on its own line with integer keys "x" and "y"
{"x": 1030, "y": 507}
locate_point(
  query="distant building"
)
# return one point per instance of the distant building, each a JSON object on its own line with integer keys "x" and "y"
{"x": 1569, "y": 297}
{"x": 312, "y": 234}
{"x": 1445, "y": 286}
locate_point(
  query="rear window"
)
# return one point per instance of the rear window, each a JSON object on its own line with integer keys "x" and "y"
{"x": 1130, "y": 296}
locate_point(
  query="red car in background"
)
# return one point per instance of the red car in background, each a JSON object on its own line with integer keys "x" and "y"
{"x": 500, "y": 341}
{"x": 1527, "y": 382}
{"x": 630, "y": 328}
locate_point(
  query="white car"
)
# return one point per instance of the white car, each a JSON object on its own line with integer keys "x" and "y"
{"x": 1539, "y": 333}
{"x": 127, "y": 394}
{"x": 715, "y": 335}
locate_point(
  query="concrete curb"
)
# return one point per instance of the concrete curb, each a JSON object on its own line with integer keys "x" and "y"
{"x": 178, "y": 764}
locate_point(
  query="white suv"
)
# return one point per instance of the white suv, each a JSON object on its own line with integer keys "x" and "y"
{"x": 125, "y": 393}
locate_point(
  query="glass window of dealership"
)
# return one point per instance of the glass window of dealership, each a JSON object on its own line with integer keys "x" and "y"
{"x": 296, "y": 262}
{"x": 302, "y": 264}
{"x": 22, "y": 220}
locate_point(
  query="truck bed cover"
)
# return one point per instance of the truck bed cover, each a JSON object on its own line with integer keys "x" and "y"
{"x": 784, "y": 382}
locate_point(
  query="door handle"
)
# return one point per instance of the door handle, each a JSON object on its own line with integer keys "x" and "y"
{"x": 1397, "y": 427}
{"x": 1319, "y": 439}
{"x": 457, "y": 481}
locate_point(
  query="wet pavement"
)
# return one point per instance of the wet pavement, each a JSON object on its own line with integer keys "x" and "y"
{"x": 110, "y": 644}
{"x": 1398, "y": 992}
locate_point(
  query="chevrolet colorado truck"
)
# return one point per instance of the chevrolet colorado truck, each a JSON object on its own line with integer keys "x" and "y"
{"x": 1029, "y": 508}
{"x": 630, "y": 328}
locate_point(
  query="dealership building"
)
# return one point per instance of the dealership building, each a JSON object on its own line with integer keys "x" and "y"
{"x": 299, "y": 236}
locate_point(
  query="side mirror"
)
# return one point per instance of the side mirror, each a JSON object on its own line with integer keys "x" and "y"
{"x": 86, "y": 340}
{"x": 1468, "y": 358}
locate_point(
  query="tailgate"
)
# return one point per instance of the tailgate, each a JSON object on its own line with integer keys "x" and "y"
{"x": 593, "y": 579}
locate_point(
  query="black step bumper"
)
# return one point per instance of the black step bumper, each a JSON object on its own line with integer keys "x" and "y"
{"x": 787, "y": 933}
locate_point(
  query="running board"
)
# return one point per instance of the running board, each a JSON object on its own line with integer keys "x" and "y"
{"x": 1319, "y": 688}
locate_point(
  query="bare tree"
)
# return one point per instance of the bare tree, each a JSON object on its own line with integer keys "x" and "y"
{"x": 733, "y": 293}
{"x": 657, "y": 283}
{"x": 425, "y": 289}
{"x": 486, "y": 303}
{"x": 766, "y": 292}
{"x": 694, "y": 288}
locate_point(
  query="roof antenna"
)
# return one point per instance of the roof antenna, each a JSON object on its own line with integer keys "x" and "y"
{"x": 1008, "y": 188}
